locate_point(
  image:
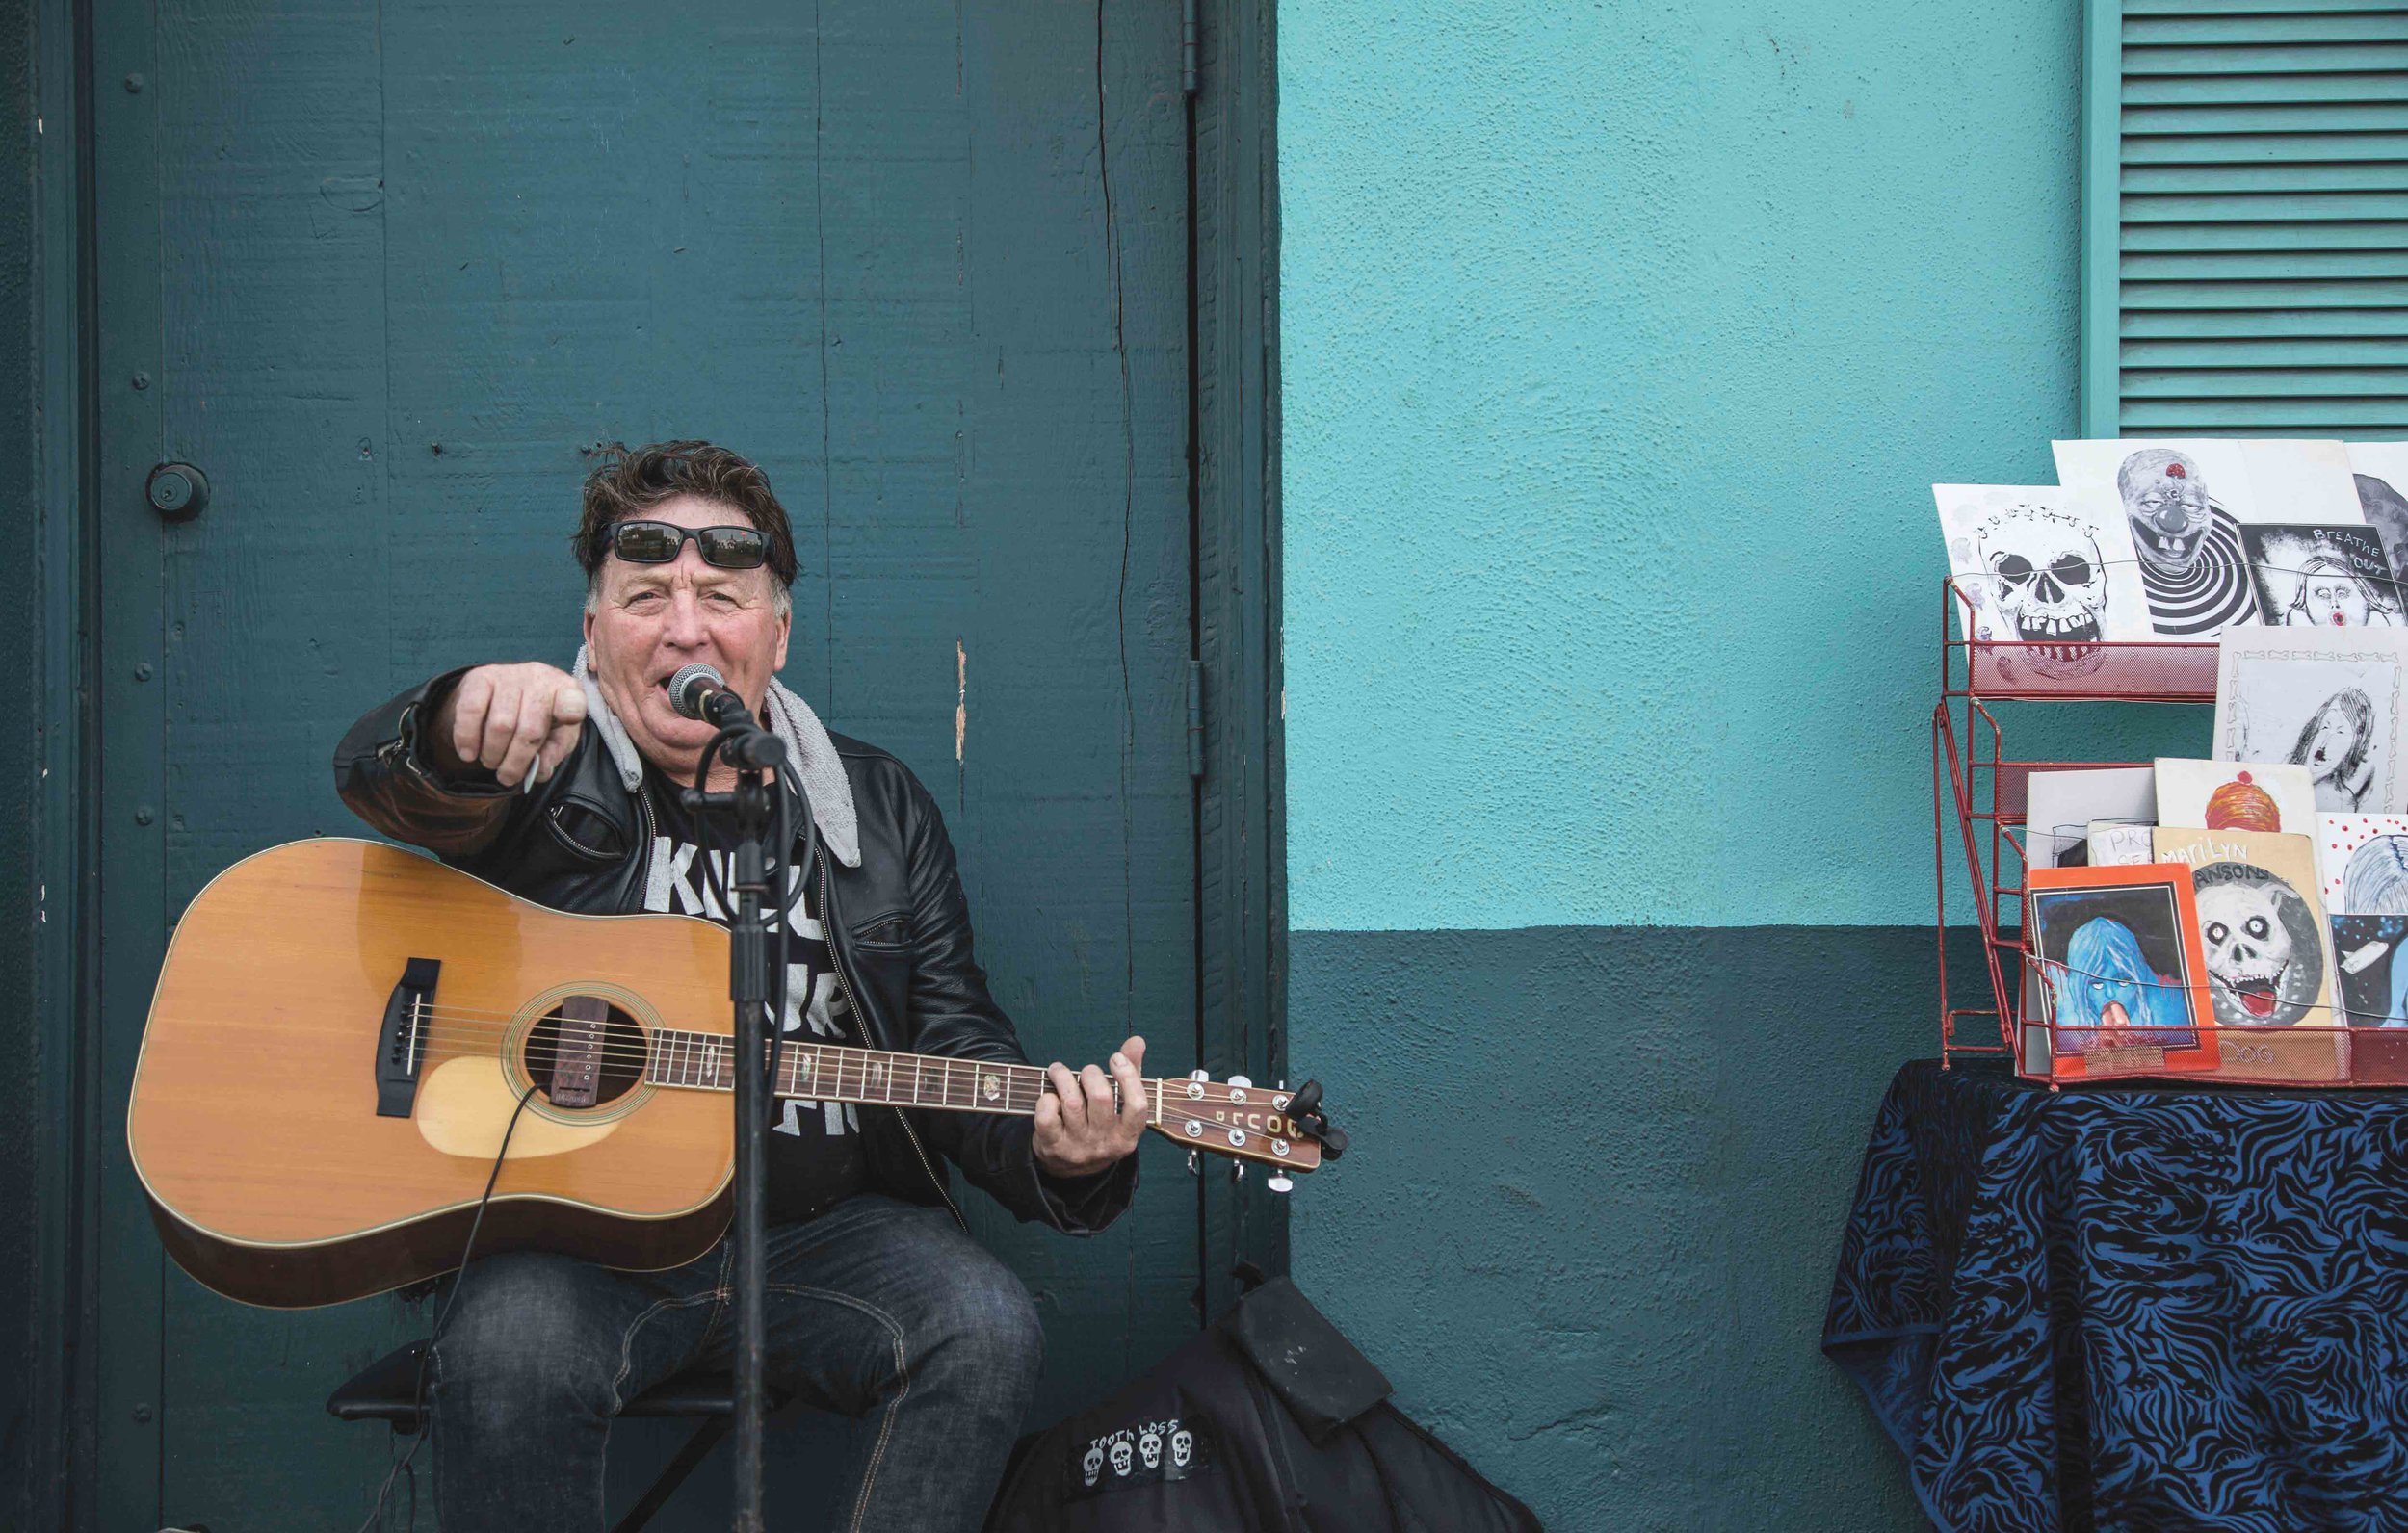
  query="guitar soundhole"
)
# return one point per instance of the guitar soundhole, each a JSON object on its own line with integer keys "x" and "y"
{"x": 614, "y": 1054}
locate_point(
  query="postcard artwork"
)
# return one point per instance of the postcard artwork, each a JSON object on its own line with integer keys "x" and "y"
{"x": 2329, "y": 701}
{"x": 2031, "y": 571}
{"x": 2120, "y": 947}
{"x": 2183, "y": 502}
{"x": 2361, "y": 866}
{"x": 2261, "y": 924}
{"x": 2060, "y": 809}
{"x": 2361, "y": 863}
{"x": 2371, "y": 970}
{"x": 2268, "y": 953}
{"x": 2120, "y": 844}
{"x": 2322, "y": 577}
{"x": 2235, "y": 795}
{"x": 2379, "y": 472}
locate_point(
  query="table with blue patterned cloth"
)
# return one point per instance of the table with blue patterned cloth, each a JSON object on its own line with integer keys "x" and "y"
{"x": 2135, "y": 1308}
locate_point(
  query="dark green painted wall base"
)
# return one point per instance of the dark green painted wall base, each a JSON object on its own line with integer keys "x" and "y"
{"x": 1596, "y": 1190}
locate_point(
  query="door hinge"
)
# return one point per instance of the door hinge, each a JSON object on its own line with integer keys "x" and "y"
{"x": 1195, "y": 718}
{"x": 1187, "y": 49}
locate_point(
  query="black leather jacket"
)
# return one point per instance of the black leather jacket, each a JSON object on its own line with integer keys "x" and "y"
{"x": 896, "y": 926}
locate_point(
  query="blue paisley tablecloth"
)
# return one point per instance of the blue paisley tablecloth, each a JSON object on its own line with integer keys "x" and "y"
{"x": 2134, "y": 1309}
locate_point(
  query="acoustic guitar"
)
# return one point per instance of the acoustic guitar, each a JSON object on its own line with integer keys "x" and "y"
{"x": 343, "y": 1029}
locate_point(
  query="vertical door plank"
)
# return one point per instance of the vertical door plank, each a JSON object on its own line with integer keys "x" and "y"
{"x": 132, "y": 1268}
{"x": 1075, "y": 788}
{"x": 271, "y": 235}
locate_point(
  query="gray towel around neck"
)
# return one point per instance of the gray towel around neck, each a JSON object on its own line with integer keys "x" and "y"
{"x": 808, "y": 748}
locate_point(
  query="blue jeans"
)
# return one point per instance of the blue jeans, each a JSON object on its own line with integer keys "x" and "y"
{"x": 876, "y": 1308}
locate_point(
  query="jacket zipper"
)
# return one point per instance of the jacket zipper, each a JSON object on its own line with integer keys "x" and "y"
{"x": 852, "y": 1005}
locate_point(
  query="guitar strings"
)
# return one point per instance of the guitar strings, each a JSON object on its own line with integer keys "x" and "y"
{"x": 453, "y": 1024}
{"x": 903, "y": 1069}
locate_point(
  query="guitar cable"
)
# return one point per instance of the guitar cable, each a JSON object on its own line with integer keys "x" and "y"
{"x": 442, "y": 1317}
{"x": 711, "y": 872}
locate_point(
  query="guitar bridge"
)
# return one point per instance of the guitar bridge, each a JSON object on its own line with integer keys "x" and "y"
{"x": 402, "y": 1041}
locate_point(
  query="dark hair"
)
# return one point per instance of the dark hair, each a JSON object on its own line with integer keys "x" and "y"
{"x": 2357, "y": 711}
{"x": 630, "y": 481}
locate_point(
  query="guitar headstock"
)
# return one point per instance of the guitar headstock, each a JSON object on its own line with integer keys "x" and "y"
{"x": 1237, "y": 1118}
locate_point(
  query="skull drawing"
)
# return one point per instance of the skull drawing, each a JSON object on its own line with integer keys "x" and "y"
{"x": 1092, "y": 1466}
{"x": 2047, "y": 582}
{"x": 1121, "y": 1456}
{"x": 2254, "y": 925}
{"x": 2165, "y": 499}
{"x": 1182, "y": 1446}
{"x": 1150, "y": 1448}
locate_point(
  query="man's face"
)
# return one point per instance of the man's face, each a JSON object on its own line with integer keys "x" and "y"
{"x": 651, "y": 619}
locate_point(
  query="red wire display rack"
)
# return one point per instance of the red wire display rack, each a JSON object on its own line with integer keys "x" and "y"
{"x": 1982, "y": 792}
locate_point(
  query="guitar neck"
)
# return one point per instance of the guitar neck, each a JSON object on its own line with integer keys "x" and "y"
{"x": 702, "y": 1062}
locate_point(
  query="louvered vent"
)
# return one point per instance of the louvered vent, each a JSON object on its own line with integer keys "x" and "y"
{"x": 2262, "y": 224}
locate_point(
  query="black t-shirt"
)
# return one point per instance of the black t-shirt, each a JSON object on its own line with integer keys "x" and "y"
{"x": 815, "y": 1147}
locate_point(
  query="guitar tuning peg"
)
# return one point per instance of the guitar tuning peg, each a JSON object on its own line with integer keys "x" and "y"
{"x": 1236, "y": 1171}
{"x": 1280, "y": 1181}
{"x": 1239, "y": 1082}
{"x": 1199, "y": 1075}
{"x": 1193, "y": 1169}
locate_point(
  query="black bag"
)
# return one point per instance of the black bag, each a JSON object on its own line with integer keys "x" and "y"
{"x": 1270, "y": 1422}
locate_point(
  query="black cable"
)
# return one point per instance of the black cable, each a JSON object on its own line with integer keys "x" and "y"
{"x": 442, "y": 1317}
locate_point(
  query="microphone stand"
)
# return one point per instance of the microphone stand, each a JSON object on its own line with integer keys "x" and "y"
{"x": 758, "y": 804}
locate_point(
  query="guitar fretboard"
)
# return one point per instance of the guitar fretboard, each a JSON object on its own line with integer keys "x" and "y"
{"x": 705, "y": 1061}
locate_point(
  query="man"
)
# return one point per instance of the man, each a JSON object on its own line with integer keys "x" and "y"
{"x": 564, "y": 789}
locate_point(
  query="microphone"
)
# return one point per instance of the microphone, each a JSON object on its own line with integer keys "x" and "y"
{"x": 700, "y": 691}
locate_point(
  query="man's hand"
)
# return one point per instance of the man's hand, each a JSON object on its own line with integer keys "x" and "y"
{"x": 509, "y": 719}
{"x": 1079, "y": 1132}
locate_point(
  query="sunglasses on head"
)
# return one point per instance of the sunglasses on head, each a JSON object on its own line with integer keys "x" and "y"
{"x": 660, "y": 542}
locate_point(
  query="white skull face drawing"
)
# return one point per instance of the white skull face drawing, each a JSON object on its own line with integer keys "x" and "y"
{"x": 1182, "y": 1445}
{"x": 1150, "y": 1448}
{"x": 2249, "y": 947}
{"x": 1092, "y": 1466}
{"x": 1122, "y": 1456}
{"x": 2046, "y": 575}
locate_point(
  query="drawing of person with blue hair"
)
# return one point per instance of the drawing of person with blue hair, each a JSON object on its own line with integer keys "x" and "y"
{"x": 2110, "y": 995}
{"x": 2369, "y": 931}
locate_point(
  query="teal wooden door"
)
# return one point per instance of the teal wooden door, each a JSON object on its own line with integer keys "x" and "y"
{"x": 388, "y": 273}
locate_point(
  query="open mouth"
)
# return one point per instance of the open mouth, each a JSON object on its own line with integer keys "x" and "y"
{"x": 2175, "y": 548}
{"x": 2066, "y": 640}
{"x": 2257, "y": 997}
{"x": 2078, "y": 629}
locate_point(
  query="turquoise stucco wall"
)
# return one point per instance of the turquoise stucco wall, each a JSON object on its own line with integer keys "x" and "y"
{"x": 1621, "y": 343}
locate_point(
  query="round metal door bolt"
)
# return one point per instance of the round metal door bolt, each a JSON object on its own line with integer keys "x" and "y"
{"x": 143, "y": 816}
{"x": 142, "y": 670}
{"x": 141, "y": 381}
{"x": 178, "y": 491}
{"x": 133, "y": 85}
{"x": 142, "y": 1412}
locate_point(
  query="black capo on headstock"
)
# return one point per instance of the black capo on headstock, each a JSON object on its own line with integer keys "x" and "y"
{"x": 1305, "y": 1107}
